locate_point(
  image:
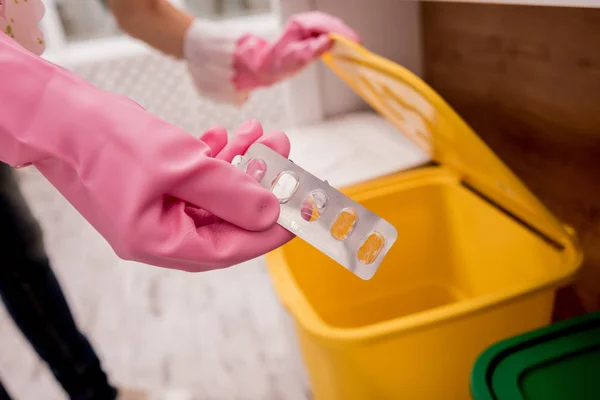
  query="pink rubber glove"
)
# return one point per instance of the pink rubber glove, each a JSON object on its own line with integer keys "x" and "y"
{"x": 148, "y": 187}
{"x": 305, "y": 38}
{"x": 226, "y": 68}
{"x": 249, "y": 133}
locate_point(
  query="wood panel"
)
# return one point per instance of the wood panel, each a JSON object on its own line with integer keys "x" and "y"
{"x": 528, "y": 80}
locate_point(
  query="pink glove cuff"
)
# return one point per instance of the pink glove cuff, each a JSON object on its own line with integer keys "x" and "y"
{"x": 209, "y": 54}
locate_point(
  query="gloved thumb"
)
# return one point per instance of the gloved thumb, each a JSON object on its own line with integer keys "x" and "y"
{"x": 230, "y": 194}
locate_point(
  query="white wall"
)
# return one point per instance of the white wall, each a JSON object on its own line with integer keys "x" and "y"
{"x": 390, "y": 28}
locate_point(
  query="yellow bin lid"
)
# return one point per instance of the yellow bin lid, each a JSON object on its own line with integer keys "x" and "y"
{"x": 419, "y": 113}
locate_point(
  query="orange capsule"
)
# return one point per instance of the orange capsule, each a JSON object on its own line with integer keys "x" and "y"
{"x": 344, "y": 224}
{"x": 370, "y": 248}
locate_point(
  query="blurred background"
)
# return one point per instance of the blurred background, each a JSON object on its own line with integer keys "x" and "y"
{"x": 83, "y": 36}
{"x": 84, "y": 20}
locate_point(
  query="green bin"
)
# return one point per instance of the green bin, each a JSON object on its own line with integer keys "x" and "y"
{"x": 559, "y": 362}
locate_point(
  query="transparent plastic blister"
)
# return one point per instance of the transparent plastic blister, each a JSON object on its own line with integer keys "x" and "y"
{"x": 319, "y": 214}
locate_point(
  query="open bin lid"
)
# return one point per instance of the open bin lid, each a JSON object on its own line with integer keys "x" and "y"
{"x": 560, "y": 362}
{"x": 419, "y": 113}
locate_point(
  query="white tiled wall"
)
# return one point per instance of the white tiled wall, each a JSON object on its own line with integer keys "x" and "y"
{"x": 163, "y": 86}
{"x": 81, "y": 20}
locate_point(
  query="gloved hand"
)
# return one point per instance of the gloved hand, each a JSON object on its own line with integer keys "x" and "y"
{"x": 157, "y": 194}
{"x": 249, "y": 62}
{"x": 249, "y": 133}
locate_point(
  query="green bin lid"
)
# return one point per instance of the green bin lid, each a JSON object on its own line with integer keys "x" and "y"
{"x": 559, "y": 362}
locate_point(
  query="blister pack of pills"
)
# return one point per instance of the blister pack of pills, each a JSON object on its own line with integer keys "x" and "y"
{"x": 319, "y": 214}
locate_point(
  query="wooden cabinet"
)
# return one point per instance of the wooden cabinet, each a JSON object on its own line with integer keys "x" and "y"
{"x": 528, "y": 80}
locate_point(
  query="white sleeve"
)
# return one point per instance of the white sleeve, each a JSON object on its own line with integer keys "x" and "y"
{"x": 209, "y": 53}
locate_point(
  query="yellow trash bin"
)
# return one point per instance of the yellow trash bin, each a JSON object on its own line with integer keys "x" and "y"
{"x": 478, "y": 258}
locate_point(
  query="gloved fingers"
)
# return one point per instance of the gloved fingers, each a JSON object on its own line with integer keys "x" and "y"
{"x": 229, "y": 193}
{"x": 315, "y": 23}
{"x": 215, "y": 138}
{"x": 277, "y": 141}
{"x": 248, "y": 133}
{"x": 319, "y": 45}
{"x": 298, "y": 54}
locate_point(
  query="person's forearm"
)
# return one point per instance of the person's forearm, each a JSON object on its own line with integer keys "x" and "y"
{"x": 156, "y": 22}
